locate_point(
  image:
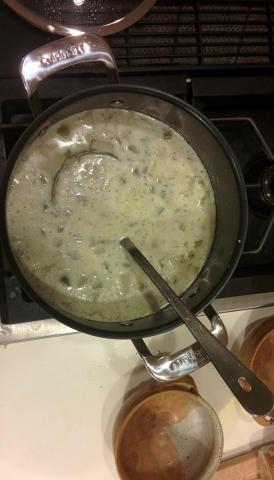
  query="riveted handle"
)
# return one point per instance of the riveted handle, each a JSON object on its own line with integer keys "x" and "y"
{"x": 62, "y": 53}
{"x": 166, "y": 368}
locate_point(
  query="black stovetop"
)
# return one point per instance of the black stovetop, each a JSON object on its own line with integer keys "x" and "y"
{"x": 239, "y": 99}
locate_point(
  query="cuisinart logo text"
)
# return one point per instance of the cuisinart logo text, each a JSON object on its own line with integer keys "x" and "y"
{"x": 63, "y": 54}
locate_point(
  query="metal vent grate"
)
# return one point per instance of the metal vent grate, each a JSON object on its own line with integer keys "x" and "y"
{"x": 199, "y": 32}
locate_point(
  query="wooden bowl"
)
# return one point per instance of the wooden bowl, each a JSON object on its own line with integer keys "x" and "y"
{"x": 170, "y": 434}
{"x": 258, "y": 354}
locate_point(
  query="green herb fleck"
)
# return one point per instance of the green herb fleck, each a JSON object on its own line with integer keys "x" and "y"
{"x": 64, "y": 280}
{"x": 133, "y": 149}
{"x": 97, "y": 285}
{"x": 68, "y": 154}
{"x": 167, "y": 134}
{"x": 64, "y": 131}
{"x": 136, "y": 171}
{"x": 161, "y": 263}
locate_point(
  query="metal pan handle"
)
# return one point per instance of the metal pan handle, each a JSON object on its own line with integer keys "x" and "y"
{"x": 176, "y": 365}
{"x": 62, "y": 53}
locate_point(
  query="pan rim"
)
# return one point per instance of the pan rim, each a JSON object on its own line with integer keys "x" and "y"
{"x": 237, "y": 250}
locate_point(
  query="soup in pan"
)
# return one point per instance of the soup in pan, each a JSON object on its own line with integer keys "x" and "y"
{"x": 87, "y": 181}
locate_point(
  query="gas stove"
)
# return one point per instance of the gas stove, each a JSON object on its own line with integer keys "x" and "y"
{"x": 233, "y": 86}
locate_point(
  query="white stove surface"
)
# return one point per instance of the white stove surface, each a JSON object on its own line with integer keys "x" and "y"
{"x": 60, "y": 397}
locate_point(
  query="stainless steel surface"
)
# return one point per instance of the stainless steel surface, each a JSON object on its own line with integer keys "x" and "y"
{"x": 22, "y": 332}
{"x": 60, "y": 54}
{"x": 253, "y": 395}
{"x": 187, "y": 360}
{"x": 107, "y": 28}
{"x": 244, "y": 302}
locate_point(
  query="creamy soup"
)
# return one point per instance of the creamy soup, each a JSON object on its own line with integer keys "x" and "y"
{"x": 87, "y": 181}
